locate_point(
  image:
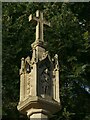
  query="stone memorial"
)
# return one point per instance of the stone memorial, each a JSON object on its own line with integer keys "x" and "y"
{"x": 39, "y": 78}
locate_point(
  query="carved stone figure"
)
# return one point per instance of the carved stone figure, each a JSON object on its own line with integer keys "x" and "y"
{"x": 45, "y": 81}
{"x": 27, "y": 68}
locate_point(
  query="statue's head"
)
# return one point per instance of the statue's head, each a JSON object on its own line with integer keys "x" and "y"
{"x": 46, "y": 70}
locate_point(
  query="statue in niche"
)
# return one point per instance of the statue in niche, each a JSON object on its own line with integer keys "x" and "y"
{"x": 45, "y": 82}
{"x": 27, "y": 67}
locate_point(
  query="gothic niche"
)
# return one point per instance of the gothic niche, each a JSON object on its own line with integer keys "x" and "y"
{"x": 27, "y": 68}
{"x": 45, "y": 79}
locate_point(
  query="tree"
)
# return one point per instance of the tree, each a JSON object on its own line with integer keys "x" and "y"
{"x": 69, "y": 39}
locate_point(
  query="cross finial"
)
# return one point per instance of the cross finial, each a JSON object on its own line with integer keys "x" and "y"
{"x": 39, "y": 26}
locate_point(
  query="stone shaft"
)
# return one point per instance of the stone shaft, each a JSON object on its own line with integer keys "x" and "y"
{"x": 38, "y": 116}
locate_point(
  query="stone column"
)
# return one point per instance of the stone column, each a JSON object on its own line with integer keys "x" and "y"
{"x": 22, "y": 78}
{"x": 37, "y": 114}
{"x": 54, "y": 85}
{"x": 57, "y": 78}
{"x": 35, "y": 79}
{"x": 57, "y": 86}
{"x": 22, "y": 87}
{"x": 26, "y": 85}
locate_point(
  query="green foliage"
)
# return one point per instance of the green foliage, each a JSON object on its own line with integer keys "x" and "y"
{"x": 68, "y": 36}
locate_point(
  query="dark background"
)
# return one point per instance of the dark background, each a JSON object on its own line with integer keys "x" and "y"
{"x": 68, "y": 36}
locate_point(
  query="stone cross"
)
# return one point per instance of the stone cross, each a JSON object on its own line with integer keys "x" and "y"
{"x": 39, "y": 26}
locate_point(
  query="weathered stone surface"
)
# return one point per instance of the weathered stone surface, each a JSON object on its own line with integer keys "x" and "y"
{"x": 39, "y": 77}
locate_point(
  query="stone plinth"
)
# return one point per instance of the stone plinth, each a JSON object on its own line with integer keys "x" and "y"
{"x": 46, "y": 106}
